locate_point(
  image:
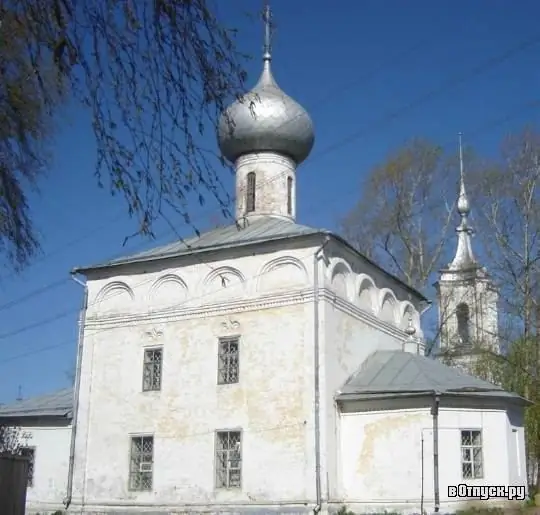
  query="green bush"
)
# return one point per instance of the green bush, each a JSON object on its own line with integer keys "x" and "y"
{"x": 344, "y": 511}
{"x": 473, "y": 510}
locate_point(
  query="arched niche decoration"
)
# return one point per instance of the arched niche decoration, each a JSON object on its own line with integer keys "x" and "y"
{"x": 115, "y": 296}
{"x": 388, "y": 306}
{"x": 340, "y": 278}
{"x": 283, "y": 273}
{"x": 168, "y": 290}
{"x": 366, "y": 292}
{"x": 225, "y": 282}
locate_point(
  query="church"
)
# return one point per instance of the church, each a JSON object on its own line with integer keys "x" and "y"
{"x": 269, "y": 367}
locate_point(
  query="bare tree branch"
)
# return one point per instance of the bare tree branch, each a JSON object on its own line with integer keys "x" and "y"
{"x": 155, "y": 75}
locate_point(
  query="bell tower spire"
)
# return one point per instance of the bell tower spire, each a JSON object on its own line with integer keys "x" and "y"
{"x": 464, "y": 258}
{"x": 468, "y": 314}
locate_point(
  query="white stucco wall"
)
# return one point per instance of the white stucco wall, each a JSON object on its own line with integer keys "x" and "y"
{"x": 267, "y": 303}
{"x": 361, "y": 312}
{"x": 51, "y": 442}
{"x": 385, "y": 468}
{"x": 266, "y": 297}
{"x": 272, "y": 172}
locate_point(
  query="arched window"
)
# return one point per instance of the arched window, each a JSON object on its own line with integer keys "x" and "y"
{"x": 250, "y": 192}
{"x": 289, "y": 195}
{"x": 463, "y": 324}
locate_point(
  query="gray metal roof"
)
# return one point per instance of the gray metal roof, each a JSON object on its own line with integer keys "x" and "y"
{"x": 57, "y": 404}
{"x": 401, "y": 373}
{"x": 260, "y": 230}
{"x": 256, "y": 231}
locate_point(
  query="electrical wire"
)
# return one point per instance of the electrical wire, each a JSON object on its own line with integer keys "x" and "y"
{"x": 483, "y": 128}
{"x": 327, "y": 98}
{"x": 493, "y": 61}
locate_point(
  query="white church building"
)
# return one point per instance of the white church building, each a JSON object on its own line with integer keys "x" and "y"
{"x": 268, "y": 367}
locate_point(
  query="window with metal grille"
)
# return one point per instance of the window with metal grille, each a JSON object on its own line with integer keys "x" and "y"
{"x": 289, "y": 195}
{"x": 472, "y": 466}
{"x": 228, "y": 360}
{"x": 141, "y": 463}
{"x": 153, "y": 360}
{"x": 30, "y": 453}
{"x": 229, "y": 459}
{"x": 250, "y": 192}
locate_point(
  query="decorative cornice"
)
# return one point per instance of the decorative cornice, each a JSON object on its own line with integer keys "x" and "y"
{"x": 216, "y": 309}
{"x": 268, "y": 301}
{"x": 352, "y": 310}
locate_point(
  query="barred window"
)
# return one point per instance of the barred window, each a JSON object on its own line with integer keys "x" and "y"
{"x": 228, "y": 360}
{"x": 229, "y": 459}
{"x": 471, "y": 454}
{"x": 250, "y": 192}
{"x": 153, "y": 360}
{"x": 30, "y": 453}
{"x": 141, "y": 463}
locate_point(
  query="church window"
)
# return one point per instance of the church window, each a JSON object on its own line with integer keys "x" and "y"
{"x": 471, "y": 454}
{"x": 229, "y": 459}
{"x": 152, "y": 367}
{"x": 228, "y": 360}
{"x": 250, "y": 193}
{"x": 141, "y": 463}
{"x": 30, "y": 454}
{"x": 289, "y": 195}
{"x": 463, "y": 324}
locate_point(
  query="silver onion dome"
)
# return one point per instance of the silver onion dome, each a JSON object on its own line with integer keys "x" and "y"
{"x": 266, "y": 119}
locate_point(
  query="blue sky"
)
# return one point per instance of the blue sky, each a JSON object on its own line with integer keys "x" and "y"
{"x": 372, "y": 74}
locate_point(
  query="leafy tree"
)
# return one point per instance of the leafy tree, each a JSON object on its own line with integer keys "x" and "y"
{"x": 155, "y": 76}
{"x": 402, "y": 220}
{"x": 10, "y": 440}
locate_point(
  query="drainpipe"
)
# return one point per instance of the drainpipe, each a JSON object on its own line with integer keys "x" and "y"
{"x": 77, "y": 386}
{"x": 435, "y": 414}
{"x": 422, "y": 474}
{"x": 316, "y": 379}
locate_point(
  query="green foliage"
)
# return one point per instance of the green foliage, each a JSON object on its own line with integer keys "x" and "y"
{"x": 473, "y": 510}
{"x": 9, "y": 440}
{"x": 345, "y": 511}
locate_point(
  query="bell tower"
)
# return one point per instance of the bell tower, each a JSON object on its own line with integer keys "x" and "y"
{"x": 467, "y": 298}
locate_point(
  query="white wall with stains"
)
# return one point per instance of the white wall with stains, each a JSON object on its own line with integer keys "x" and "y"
{"x": 267, "y": 298}
{"x": 360, "y": 315}
{"x": 51, "y": 462}
{"x": 386, "y": 456}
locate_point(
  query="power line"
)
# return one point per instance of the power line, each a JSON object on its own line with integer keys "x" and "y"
{"x": 484, "y": 127}
{"x": 493, "y": 61}
{"x": 328, "y": 97}
{"x": 152, "y": 322}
